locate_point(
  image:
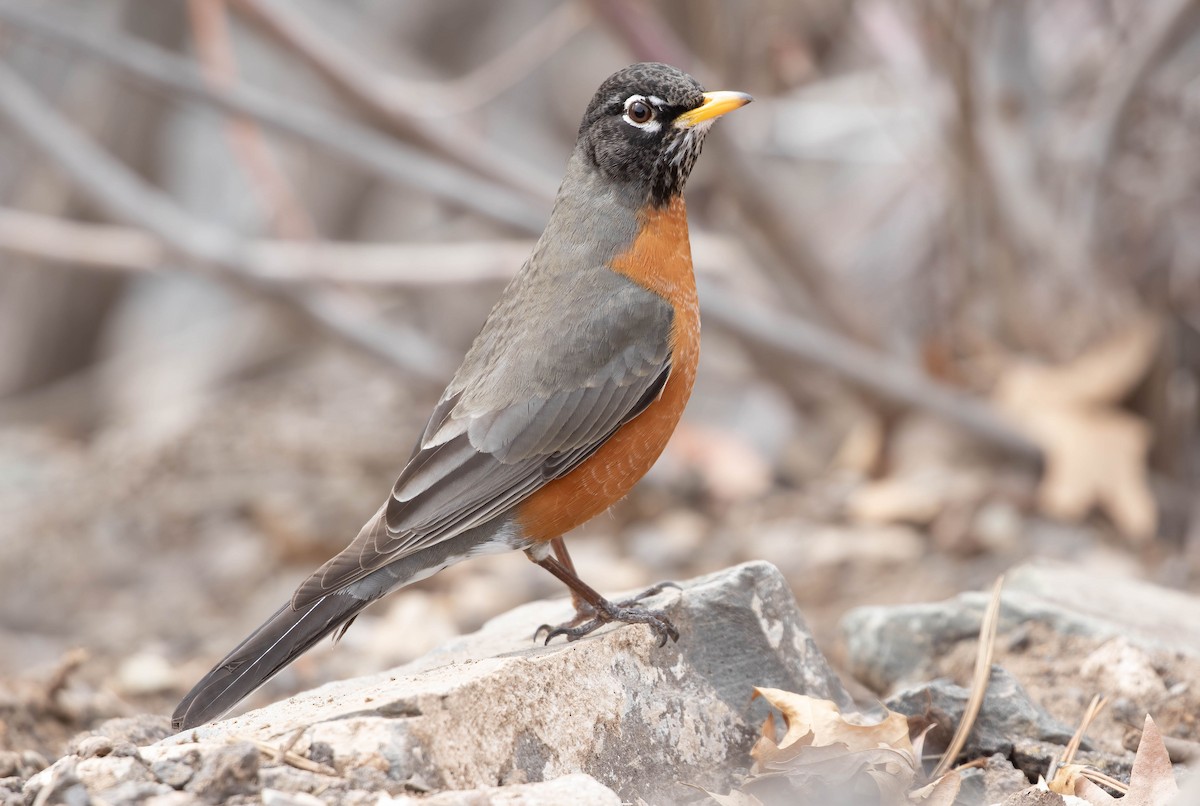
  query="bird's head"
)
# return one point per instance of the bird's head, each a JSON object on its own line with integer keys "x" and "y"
{"x": 646, "y": 124}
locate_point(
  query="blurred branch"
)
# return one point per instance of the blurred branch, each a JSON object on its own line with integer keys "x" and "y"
{"x": 645, "y": 33}
{"x": 870, "y": 371}
{"x": 394, "y": 265}
{"x": 210, "y": 32}
{"x": 358, "y": 145}
{"x": 1007, "y": 103}
{"x": 1172, "y": 28}
{"x": 402, "y": 108}
{"x": 123, "y": 195}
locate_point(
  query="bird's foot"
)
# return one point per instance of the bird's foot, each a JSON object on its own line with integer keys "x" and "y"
{"x": 589, "y": 618}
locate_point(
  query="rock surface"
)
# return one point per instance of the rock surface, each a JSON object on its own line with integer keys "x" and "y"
{"x": 892, "y": 647}
{"x": 494, "y": 709}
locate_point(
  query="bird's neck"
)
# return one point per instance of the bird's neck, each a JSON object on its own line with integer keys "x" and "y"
{"x": 594, "y": 213}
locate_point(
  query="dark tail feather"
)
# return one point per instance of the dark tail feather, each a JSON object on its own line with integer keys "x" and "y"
{"x": 275, "y": 644}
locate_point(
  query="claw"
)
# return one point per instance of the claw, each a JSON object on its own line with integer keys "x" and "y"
{"x": 589, "y": 619}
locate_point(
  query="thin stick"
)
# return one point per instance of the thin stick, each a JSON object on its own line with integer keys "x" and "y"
{"x": 385, "y": 156}
{"x": 291, "y": 759}
{"x": 983, "y": 671}
{"x": 210, "y": 32}
{"x": 1093, "y": 710}
{"x": 124, "y": 196}
{"x": 403, "y": 107}
{"x": 864, "y": 368}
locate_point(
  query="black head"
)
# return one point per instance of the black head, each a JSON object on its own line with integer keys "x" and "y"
{"x": 646, "y": 124}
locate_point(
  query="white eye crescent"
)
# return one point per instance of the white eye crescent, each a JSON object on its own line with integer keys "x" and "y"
{"x": 641, "y": 112}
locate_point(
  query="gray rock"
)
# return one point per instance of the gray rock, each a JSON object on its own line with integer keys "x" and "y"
{"x": 1007, "y": 713}
{"x": 890, "y": 647}
{"x": 277, "y": 797}
{"x": 578, "y": 790}
{"x": 1001, "y": 779}
{"x": 173, "y": 799}
{"x": 494, "y": 708}
{"x": 176, "y": 772}
{"x": 1033, "y": 797}
{"x": 996, "y": 780}
{"x": 1034, "y": 757}
{"x": 20, "y": 764}
{"x": 229, "y": 770}
{"x": 59, "y": 783}
{"x": 133, "y": 792}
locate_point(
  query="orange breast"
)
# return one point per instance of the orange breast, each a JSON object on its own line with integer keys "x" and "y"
{"x": 660, "y": 260}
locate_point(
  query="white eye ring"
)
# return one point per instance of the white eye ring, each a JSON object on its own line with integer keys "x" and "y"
{"x": 651, "y": 123}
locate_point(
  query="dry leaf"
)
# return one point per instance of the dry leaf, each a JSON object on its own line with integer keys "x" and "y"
{"x": 825, "y": 722}
{"x": 734, "y": 798}
{"x": 897, "y": 500}
{"x": 1093, "y": 795}
{"x": 822, "y": 751}
{"x": 942, "y": 792}
{"x": 1095, "y": 453}
{"x": 1152, "y": 780}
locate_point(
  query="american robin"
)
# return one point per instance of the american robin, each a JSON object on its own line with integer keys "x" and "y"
{"x": 566, "y": 398}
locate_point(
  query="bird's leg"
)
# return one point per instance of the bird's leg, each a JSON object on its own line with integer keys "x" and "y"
{"x": 600, "y": 611}
{"x": 583, "y": 611}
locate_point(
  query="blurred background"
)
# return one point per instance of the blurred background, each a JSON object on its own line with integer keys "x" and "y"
{"x": 950, "y": 273}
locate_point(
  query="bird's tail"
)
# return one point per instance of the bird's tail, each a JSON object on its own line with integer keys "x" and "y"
{"x": 275, "y": 644}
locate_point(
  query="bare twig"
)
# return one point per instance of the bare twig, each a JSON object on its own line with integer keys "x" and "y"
{"x": 210, "y": 32}
{"x": 291, "y": 759}
{"x": 1162, "y": 36}
{"x": 358, "y": 145}
{"x": 403, "y": 107}
{"x": 1089, "y": 716}
{"x": 862, "y": 367}
{"x": 126, "y": 197}
{"x": 121, "y": 249}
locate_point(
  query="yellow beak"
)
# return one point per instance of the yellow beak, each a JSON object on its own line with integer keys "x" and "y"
{"x": 715, "y": 104}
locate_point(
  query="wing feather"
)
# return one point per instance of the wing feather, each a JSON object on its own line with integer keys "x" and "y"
{"x": 482, "y": 454}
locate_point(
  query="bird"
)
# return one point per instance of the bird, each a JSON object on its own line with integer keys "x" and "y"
{"x": 562, "y": 403}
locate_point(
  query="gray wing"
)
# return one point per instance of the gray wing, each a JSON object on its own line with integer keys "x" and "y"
{"x": 527, "y": 407}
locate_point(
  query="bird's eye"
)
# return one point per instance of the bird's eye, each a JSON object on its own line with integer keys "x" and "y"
{"x": 639, "y": 111}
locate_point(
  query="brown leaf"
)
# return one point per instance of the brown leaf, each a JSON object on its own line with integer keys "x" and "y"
{"x": 823, "y": 719}
{"x": 1095, "y": 453}
{"x": 1152, "y": 780}
{"x": 734, "y": 798}
{"x": 942, "y": 792}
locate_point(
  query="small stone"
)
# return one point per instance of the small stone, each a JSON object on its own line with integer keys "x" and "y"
{"x": 32, "y": 761}
{"x": 175, "y": 773}
{"x": 94, "y": 747}
{"x": 275, "y": 797}
{"x": 227, "y": 771}
{"x": 146, "y": 673}
{"x": 1034, "y": 797}
{"x": 1007, "y": 713}
{"x": 173, "y": 799}
{"x": 101, "y": 772}
{"x": 577, "y": 789}
{"x": 1001, "y": 779}
{"x": 1121, "y": 668}
{"x": 132, "y": 792}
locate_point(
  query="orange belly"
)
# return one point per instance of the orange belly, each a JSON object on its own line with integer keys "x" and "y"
{"x": 660, "y": 260}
